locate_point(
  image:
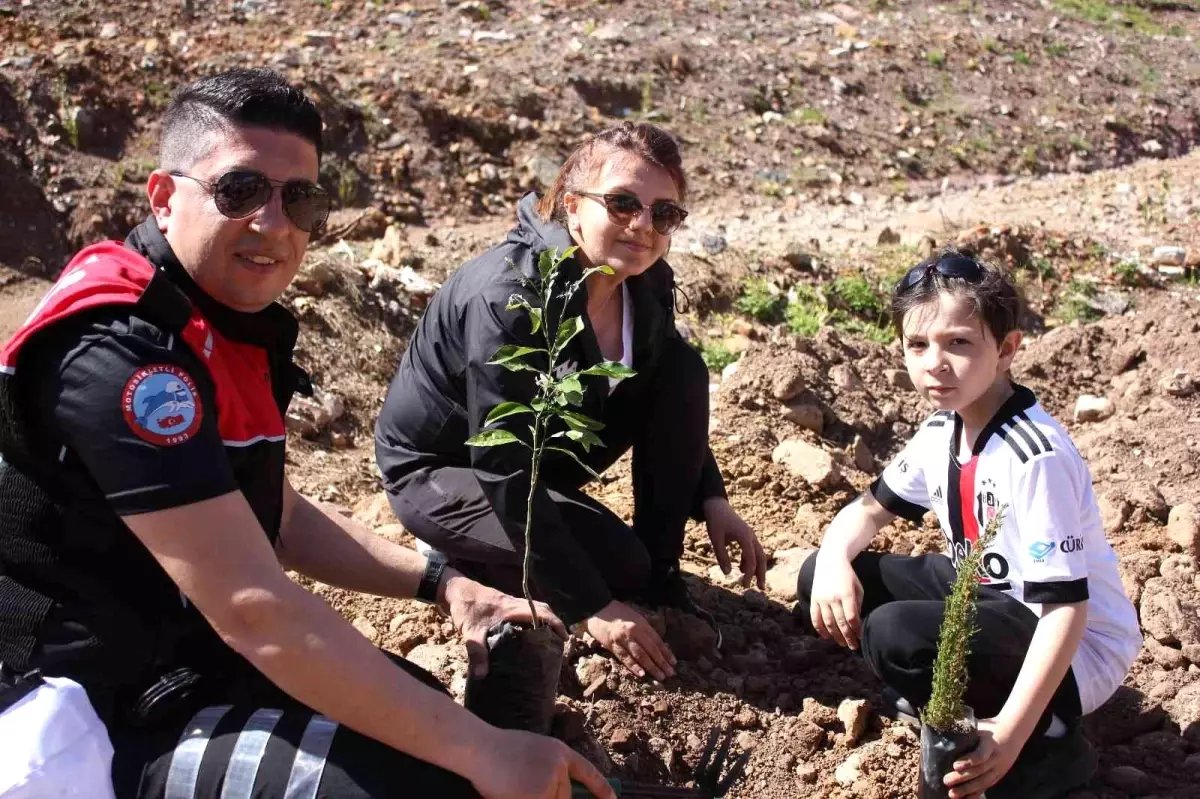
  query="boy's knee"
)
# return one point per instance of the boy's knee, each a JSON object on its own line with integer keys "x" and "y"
{"x": 893, "y": 641}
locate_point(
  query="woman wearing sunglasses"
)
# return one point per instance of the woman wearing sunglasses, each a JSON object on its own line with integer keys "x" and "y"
{"x": 618, "y": 198}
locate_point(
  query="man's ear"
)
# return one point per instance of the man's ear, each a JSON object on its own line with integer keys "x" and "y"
{"x": 160, "y": 189}
{"x": 1008, "y": 349}
{"x": 571, "y": 206}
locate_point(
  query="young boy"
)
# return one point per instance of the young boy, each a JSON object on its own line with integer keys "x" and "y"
{"x": 1056, "y": 633}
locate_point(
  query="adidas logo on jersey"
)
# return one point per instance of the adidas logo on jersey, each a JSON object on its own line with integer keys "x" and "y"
{"x": 937, "y": 495}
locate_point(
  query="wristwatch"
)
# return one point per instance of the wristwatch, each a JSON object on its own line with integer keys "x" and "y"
{"x": 427, "y": 589}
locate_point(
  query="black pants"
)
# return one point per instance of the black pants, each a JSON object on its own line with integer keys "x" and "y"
{"x": 903, "y": 601}
{"x": 269, "y": 749}
{"x": 666, "y": 424}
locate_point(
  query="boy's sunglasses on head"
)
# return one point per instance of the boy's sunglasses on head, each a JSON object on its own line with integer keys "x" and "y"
{"x": 240, "y": 193}
{"x": 665, "y": 216}
{"x": 959, "y": 266}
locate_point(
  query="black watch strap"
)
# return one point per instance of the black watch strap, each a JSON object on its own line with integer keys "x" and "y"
{"x": 435, "y": 564}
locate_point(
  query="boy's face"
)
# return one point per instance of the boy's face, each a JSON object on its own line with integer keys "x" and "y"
{"x": 951, "y": 356}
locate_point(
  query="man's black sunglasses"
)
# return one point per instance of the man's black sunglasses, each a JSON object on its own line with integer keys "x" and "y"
{"x": 240, "y": 193}
{"x": 665, "y": 216}
{"x": 949, "y": 265}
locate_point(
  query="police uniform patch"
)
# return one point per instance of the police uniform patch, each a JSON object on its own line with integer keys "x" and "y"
{"x": 162, "y": 405}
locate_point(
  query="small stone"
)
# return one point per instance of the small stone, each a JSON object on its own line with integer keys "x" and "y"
{"x": 809, "y": 521}
{"x": 661, "y": 707}
{"x": 1169, "y": 256}
{"x": 729, "y": 371}
{"x": 392, "y": 249}
{"x": 786, "y": 385}
{"x": 1183, "y": 527}
{"x": 808, "y": 737}
{"x": 898, "y": 378}
{"x": 1093, "y": 409}
{"x": 1165, "y": 656}
{"x": 1114, "y": 512}
{"x": 745, "y": 719}
{"x": 806, "y": 773}
{"x": 1178, "y": 383}
{"x": 1152, "y": 147}
{"x": 318, "y": 38}
{"x": 589, "y": 669}
{"x": 893, "y": 750}
{"x": 887, "y": 237}
{"x": 806, "y": 415}
{"x": 813, "y": 464}
{"x": 849, "y": 771}
{"x": 844, "y": 377}
{"x": 110, "y": 30}
{"x": 366, "y": 628}
{"x": 746, "y": 741}
{"x": 864, "y": 459}
{"x": 854, "y": 714}
{"x": 622, "y": 740}
{"x": 1127, "y": 778}
{"x": 784, "y": 576}
{"x": 786, "y": 761}
{"x": 713, "y": 243}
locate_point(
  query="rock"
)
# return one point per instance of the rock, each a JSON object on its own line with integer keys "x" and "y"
{"x": 887, "y": 237}
{"x": 396, "y": 534}
{"x": 813, "y": 464}
{"x": 434, "y": 658}
{"x": 806, "y": 773}
{"x": 782, "y": 578}
{"x": 798, "y": 256}
{"x": 661, "y": 707}
{"x": 1169, "y": 256}
{"x": 400, "y": 281}
{"x": 569, "y": 724}
{"x": 898, "y": 378}
{"x": 318, "y": 38}
{"x": 809, "y": 521}
{"x": 688, "y": 636}
{"x": 590, "y": 669}
{"x": 818, "y": 713}
{"x": 1192, "y": 653}
{"x": 1093, "y": 409}
{"x": 1167, "y": 616}
{"x": 1165, "y": 656}
{"x": 1147, "y": 497}
{"x": 393, "y": 249}
{"x": 1114, "y": 512}
{"x": 1178, "y": 383}
{"x": 745, "y": 719}
{"x": 746, "y": 741}
{"x": 864, "y": 459}
{"x": 729, "y": 371}
{"x": 374, "y": 510}
{"x": 315, "y": 278}
{"x": 785, "y": 761}
{"x": 1135, "y": 569}
{"x": 738, "y": 343}
{"x": 1126, "y": 357}
{"x": 713, "y": 243}
{"x": 806, "y": 415}
{"x": 855, "y": 715}
{"x": 1128, "y": 778}
{"x": 808, "y": 737}
{"x": 844, "y": 377}
{"x": 366, "y": 628}
{"x": 1151, "y": 146}
{"x": 110, "y": 30}
{"x": 622, "y": 740}
{"x": 787, "y": 384}
{"x": 850, "y": 770}
{"x": 1184, "y": 709}
{"x": 1183, "y": 527}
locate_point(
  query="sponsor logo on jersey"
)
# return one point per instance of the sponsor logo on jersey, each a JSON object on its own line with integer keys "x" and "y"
{"x": 1072, "y": 544}
{"x": 161, "y": 405}
{"x": 1038, "y": 550}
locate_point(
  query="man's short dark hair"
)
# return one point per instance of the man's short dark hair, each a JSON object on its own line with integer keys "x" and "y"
{"x": 258, "y": 98}
{"x": 993, "y": 296}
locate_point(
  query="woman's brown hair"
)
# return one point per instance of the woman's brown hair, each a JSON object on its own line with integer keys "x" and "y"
{"x": 643, "y": 140}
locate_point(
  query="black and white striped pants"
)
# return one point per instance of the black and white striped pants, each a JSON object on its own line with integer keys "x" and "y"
{"x": 242, "y": 752}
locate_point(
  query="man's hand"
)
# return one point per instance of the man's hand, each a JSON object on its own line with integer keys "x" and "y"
{"x": 987, "y": 763}
{"x": 522, "y": 765}
{"x": 623, "y": 631}
{"x": 475, "y": 609}
{"x": 836, "y": 600}
{"x": 725, "y": 527}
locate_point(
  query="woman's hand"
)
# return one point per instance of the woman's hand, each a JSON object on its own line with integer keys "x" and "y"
{"x": 987, "y": 763}
{"x": 837, "y": 596}
{"x": 725, "y": 527}
{"x": 623, "y": 631}
{"x": 475, "y": 608}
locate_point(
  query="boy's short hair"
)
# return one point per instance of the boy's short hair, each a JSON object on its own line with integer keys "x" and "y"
{"x": 992, "y": 294}
{"x": 239, "y": 97}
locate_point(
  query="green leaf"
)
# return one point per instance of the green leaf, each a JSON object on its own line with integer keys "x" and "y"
{"x": 586, "y": 468}
{"x": 604, "y": 270}
{"x": 578, "y": 421}
{"x": 573, "y": 398}
{"x": 505, "y": 409}
{"x": 509, "y": 356}
{"x": 548, "y": 262}
{"x": 535, "y": 318}
{"x": 567, "y": 330}
{"x": 516, "y": 301}
{"x": 613, "y": 369}
{"x": 570, "y": 385}
{"x": 494, "y": 438}
{"x": 585, "y": 438}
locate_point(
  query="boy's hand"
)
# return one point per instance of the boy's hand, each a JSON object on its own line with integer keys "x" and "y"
{"x": 987, "y": 763}
{"x": 724, "y": 527}
{"x": 836, "y": 600}
{"x": 623, "y": 631}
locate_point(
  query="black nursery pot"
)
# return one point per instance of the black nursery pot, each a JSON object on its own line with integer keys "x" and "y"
{"x": 939, "y": 750}
{"x": 521, "y": 684}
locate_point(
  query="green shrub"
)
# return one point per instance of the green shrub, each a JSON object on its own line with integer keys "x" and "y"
{"x": 936, "y": 58}
{"x": 716, "y": 355}
{"x": 762, "y": 301}
{"x": 1074, "y": 302}
{"x": 859, "y": 297}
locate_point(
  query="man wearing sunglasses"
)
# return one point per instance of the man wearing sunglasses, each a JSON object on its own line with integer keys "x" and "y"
{"x": 146, "y": 521}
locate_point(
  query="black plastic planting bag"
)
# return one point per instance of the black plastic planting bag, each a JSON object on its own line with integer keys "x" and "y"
{"x": 939, "y": 750}
{"x": 521, "y": 684}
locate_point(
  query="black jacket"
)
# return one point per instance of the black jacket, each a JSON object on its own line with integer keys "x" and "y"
{"x": 444, "y": 389}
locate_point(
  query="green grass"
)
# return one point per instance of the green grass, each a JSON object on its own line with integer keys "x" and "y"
{"x": 859, "y": 297}
{"x": 810, "y": 116}
{"x": 936, "y": 58}
{"x": 1022, "y": 58}
{"x": 1110, "y": 14}
{"x": 1126, "y": 274}
{"x": 1081, "y": 144}
{"x": 991, "y": 45}
{"x": 760, "y": 301}
{"x": 716, "y": 355}
{"x": 1073, "y": 304}
{"x": 1057, "y": 49}
{"x": 806, "y": 312}
{"x": 1043, "y": 268}
{"x": 880, "y": 333}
